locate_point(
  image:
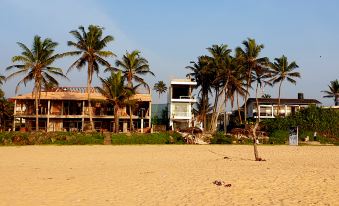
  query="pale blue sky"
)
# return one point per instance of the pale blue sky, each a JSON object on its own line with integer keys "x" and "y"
{"x": 170, "y": 34}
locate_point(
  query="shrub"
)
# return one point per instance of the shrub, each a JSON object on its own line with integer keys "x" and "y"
{"x": 220, "y": 138}
{"x": 278, "y": 137}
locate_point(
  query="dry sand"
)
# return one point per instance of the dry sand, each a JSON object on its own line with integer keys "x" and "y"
{"x": 168, "y": 175}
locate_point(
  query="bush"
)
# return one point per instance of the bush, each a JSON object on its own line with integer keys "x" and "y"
{"x": 278, "y": 137}
{"x": 324, "y": 121}
{"x": 154, "y": 138}
{"x": 37, "y": 138}
{"x": 220, "y": 138}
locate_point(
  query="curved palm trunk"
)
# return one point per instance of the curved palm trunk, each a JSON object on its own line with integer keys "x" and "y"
{"x": 225, "y": 117}
{"x": 279, "y": 99}
{"x": 204, "y": 114}
{"x": 130, "y": 118}
{"x": 239, "y": 113}
{"x": 36, "y": 108}
{"x": 215, "y": 115}
{"x": 246, "y": 96}
{"x": 256, "y": 154}
{"x": 89, "y": 81}
{"x": 116, "y": 118}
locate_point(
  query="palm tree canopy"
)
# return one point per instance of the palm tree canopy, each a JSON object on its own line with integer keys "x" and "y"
{"x": 114, "y": 90}
{"x": 202, "y": 73}
{"x": 219, "y": 62}
{"x": 160, "y": 87}
{"x": 36, "y": 63}
{"x": 250, "y": 55}
{"x": 133, "y": 65}
{"x": 333, "y": 91}
{"x": 2, "y": 79}
{"x": 282, "y": 70}
{"x": 90, "y": 46}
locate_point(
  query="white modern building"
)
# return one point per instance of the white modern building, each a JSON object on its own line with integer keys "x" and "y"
{"x": 180, "y": 101}
{"x": 268, "y": 107}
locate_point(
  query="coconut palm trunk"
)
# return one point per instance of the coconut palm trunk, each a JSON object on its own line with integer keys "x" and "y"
{"x": 116, "y": 118}
{"x": 36, "y": 107}
{"x": 246, "y": 95}
{"x": 239, "y": 113}
{"x": 256, "y": 154}
{"x": 279, "y": 98}
{"x": 89, "y": 82}
{"x": 130, "y": 118}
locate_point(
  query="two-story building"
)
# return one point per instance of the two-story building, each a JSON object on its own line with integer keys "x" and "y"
{"x": 268, "y": 107}
{"x": 180, "y": 101}
{"x": 66, "y": 109}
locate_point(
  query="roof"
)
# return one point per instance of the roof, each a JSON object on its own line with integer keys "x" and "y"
{"x": 183, "y": 82}
{"x": 284, "y": 101}
{"x": 76, "y": 93}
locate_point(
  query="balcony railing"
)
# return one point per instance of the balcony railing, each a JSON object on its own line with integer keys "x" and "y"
{"x": 181, "y": 114}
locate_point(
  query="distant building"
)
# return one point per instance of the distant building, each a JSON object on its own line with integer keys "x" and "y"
{"x": 180, "y": 100}
{"x": 268, "y": 107}
{"x": 66, "y": 109}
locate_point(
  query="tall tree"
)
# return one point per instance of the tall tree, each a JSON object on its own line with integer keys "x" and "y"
{"x": 160, "y": 87}
{"x": 90, "y": 46}
{"x": 202, "y": 74}
{"x": 6, "y": 110}
{"x": 220, "y": 63}
{"x": 333, "y": 91}
{"x": 251, "y": 60}
{"x": 116, "y": 92}
{"x": 133, "y": 66}
{"x": 281, "y": 71}
{"x": 35, "y": 64}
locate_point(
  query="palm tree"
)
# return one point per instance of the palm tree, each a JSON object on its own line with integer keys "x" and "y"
{"x": 282, "y": 70}
{"x": 132, "y": 66}
{"x": 2, "y": 79}
{"x": 333, "y": 91}
{"x": 36, "y": 64}
{"x": 249, "y": 57}
{"x": 90, "y": 47}
{"x": 114, "y": 90}
{"x": 202, "y": 74}
{"x": 219, "y": 62}
{"x": 160, "y": 87}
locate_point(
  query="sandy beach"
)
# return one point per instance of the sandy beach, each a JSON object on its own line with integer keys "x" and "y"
{"x": 168, "y": 175}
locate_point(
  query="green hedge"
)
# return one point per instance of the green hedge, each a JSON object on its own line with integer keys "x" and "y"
{"x": 69, "y": 138}
{"x": 311, "y": 119}
{"x": 154, "y": 138}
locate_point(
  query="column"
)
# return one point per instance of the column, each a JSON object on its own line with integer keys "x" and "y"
{"x": 150, "y": 115}
{"x": 14, "y": 116}
{"x": 48, "y": 112}
{"x": 83, "y": 116}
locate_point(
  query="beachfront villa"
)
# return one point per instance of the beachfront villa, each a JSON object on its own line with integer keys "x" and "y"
{"x": 268, "y": 107}
{"x": 66, "y": 109}
{"x": 180, "y": 101}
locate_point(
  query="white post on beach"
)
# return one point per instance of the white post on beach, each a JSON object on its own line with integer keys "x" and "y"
{"x": 293, "y": 136}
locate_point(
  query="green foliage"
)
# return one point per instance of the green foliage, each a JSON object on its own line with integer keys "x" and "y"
{"x": 221, "y": 138}
{"x": 69, "y": 138}
{"x": 312, "y": 118}
{"x": 59, "y": 138}
{"x": 279, "y": 137}
{"x": 154, "y": 138}
{"x": 309, "y": 120}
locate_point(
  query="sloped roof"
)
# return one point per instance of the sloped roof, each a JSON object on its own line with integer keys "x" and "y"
{"x": 284, "y": 101}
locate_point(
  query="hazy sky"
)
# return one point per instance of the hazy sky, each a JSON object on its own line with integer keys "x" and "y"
{"x": 170, "y": 34}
